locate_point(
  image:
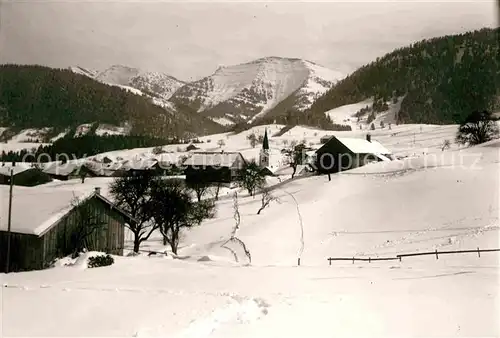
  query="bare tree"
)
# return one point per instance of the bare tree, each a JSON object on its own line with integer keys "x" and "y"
{"x": 199, "y": 188}
{"x": 302, "y": 242}
{"x": 297, "y": 156}
{"x": 217, "y": 187}
{"x": 174, "y": 210}
{"x": 266, "y": 199}
{"x": 251, "y": 177}
{"x": 133, "y": 194}
{"x": 233, "y": 238}
{"x": 446, "y": 145}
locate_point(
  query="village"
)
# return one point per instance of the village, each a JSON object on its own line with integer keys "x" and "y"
{"x": 49, "y": 189}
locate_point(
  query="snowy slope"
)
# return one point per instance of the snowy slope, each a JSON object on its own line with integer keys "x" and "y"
{"x": 153, "y": 83}
{"x": 207, "y": 294}
{"x": 157, "y": 86}
{"x": 156, "y": 83}
{"x": 252, "y": 89}
{"x": 118, "y": 75}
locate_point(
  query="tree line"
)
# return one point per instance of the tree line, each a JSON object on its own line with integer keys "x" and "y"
{"x": 83, "y": 146}
{"x": 441, "y": 79}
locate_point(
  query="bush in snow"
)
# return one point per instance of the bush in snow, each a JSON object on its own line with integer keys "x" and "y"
{"x": 101, "y": 260}
{"x": 252, "y": 139}
{"x": 158, "y": 150}
{"x": 477, "y": 128}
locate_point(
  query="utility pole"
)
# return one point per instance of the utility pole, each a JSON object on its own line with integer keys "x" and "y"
{"x": 7, "y": 263}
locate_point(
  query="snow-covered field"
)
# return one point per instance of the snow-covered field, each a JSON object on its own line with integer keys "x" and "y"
{"x": 445, "y": 202}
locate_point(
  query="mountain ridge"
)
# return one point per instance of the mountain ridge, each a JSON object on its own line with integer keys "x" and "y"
{"x": 252, "y": 89}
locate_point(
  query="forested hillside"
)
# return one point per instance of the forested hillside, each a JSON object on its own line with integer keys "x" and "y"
{"x": 80, "y": 147}
{"x": 442, "y": 79}
{"x": 37, "y": 97}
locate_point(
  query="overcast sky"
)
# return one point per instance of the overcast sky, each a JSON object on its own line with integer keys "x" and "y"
{"x": 190, "y": 40}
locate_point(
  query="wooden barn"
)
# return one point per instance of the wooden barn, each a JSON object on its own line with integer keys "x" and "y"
{"x": 339, "y": 154}
{"x": 213, "y": 167}
{"x": 66, "y": 171}
{"x": 48, "y": 223}
{"x": 25, "y": 174}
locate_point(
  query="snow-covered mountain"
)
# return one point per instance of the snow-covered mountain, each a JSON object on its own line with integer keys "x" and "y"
{"x": 244, "y": 92}
{"x": 154, "y": 84}
{"x": 250, "y": 90}
{"x": 84, "y": 71}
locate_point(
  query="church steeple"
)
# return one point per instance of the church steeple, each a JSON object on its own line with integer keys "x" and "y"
{"x": 264, "y": 152}
{"x": 265, "y": 142}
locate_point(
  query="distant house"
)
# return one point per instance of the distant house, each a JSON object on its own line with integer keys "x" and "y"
{"x": 191, "y": 147}
{"x": 325, "y": 139}
{"x": 213, "y": 167}
{"x": 66, "y": 171}
{"x": 339, "y": 154}
{"x": 98, "y": 169}
{"x": 25, "y": 174}
{"x": 44, "y": 223}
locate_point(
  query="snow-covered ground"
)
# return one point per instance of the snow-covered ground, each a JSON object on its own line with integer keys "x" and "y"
{"x": 446, "y": 202}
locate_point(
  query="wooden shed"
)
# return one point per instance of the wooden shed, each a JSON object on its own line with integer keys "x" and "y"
{"x": 47, "y": 221}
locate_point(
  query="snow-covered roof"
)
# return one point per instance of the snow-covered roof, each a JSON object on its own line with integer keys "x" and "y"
{"x": 62, "y": 169}
{"x": 139, "y": 164}
{"x": 18, "y": 168}
{"x": 36, "y": 209}
{"x": 222, "y": 159}
{"x": 362, "y": 146}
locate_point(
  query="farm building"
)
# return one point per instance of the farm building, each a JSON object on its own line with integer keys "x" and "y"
{"x": 48, "y": 223}
{"x": 339, "y": 154}
{"x": 213, "y": 167}
{"x": 25, "y": 174}
{"x": 99, "y": 169}
{"x": 65, "y": 171}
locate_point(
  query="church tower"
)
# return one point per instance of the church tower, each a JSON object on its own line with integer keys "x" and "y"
{"x": 264, "y": 152}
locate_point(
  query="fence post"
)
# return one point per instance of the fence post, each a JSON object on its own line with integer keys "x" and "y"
{"x": 478, "y": 253}
{"x": 298, "y": 261}
{"x": 369, "y": 260}
{"x": 400, "y": 258}
{"x": 330, "y": 260}
{"x": 437, "y": 254}
{"x": 353, "y": 260}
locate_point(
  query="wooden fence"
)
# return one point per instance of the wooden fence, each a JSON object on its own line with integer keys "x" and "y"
{"x": 399, "y": 257}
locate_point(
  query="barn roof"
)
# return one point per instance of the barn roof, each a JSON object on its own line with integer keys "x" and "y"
{"x": 362, "y": 146}
{"x": 62, "y": 169}
{"x": 35, "y": 210}
{"x": 144, "y": 164}
{"x": 225, "y": 159}
{"x": 18, "y": 168}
